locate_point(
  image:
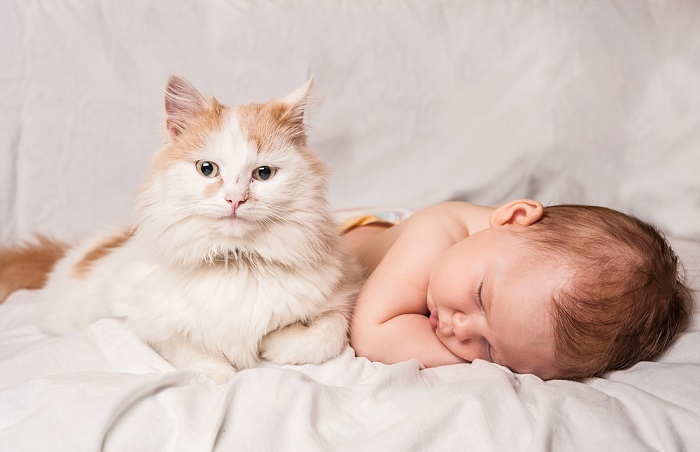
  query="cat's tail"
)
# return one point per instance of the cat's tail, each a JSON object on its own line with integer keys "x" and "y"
{"x": 27, "y": 266}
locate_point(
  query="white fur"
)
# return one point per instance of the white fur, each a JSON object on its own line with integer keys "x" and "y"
{"x": 212, "y": 293}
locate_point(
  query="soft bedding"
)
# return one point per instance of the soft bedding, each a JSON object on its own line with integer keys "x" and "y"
{"x": 564, "y": 101}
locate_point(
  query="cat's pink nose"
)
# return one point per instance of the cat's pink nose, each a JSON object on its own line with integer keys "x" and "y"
{"x": 235, "y": 201}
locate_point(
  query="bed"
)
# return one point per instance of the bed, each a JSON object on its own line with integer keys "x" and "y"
{"x": 565, "y": 101}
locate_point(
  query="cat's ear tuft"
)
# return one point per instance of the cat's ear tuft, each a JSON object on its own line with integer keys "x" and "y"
{"x": 298, "y": 102}
{"x": 300, "y": 95}
{"x": 182, "y": 103}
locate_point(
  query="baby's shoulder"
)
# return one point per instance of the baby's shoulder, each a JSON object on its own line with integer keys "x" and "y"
{"x": 443, "y": 219}
{"x": 446, "y": 213}
{"x": 454, "y": 219}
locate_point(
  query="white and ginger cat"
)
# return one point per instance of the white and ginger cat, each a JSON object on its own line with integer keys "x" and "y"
{"x": 232, "y": 253}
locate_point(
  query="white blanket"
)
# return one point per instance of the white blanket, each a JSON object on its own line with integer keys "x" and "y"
{"x": 566, "y": 101}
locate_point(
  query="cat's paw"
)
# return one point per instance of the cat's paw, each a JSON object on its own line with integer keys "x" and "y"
{"x": 300, "y": 344}
{"x": 219, "y": 372}
{"x": 277, "y": 346}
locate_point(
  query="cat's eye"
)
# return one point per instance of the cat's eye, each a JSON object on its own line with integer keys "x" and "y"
{"x": 264, "y": 172}
{"x": 207, "y": 168}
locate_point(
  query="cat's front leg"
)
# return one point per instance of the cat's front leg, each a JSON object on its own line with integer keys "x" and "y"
{"x": 322, "y": 339}
{"x": 185, "y": 355}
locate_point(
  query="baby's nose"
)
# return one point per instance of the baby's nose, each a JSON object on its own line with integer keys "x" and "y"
{"x": 463, "y": 326}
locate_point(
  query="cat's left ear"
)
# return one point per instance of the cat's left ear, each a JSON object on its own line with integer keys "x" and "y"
{"x": 297, "y": 103}
{"x": 182, "y": 104}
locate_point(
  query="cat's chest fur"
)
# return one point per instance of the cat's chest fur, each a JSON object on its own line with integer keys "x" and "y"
{"x": 244, "y": 295}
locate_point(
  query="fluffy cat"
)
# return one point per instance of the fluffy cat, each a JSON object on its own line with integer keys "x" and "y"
{"x": 232, "y": 253}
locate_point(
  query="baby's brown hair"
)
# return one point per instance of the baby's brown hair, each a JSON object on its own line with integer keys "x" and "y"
{"x": 627, "y": 300}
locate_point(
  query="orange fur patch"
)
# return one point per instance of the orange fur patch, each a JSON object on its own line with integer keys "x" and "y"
{"x": 212, "y": 188}
{"x": 27, "y": 266}
{"x": 193, "y": 138}
{"x": 100, "y": 251}
{"x": 197, "y": 132}
{"x": 263, "y": 124}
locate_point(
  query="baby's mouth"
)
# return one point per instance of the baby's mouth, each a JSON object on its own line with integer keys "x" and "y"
{"x": 434, "y": 317}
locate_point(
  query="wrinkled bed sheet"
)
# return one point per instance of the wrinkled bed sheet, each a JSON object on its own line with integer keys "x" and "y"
{"x": 104, "y": 388}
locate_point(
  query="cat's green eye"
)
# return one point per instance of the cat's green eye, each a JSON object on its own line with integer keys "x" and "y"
{"x": 264, "y": 172}
{"x": 207, "y": 168}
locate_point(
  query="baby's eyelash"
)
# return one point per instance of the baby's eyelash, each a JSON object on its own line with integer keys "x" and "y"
{"x": 481, "y": 306}
{"x": 478, "y": 296}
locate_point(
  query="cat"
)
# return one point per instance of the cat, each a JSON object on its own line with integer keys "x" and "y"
{"x": 232, "y": 254}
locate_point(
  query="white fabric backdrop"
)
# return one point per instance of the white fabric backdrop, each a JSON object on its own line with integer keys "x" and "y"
{"x": 568, "y": 101}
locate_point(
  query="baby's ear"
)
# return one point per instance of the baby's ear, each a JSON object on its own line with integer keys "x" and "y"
{"x": 521, "y": 211}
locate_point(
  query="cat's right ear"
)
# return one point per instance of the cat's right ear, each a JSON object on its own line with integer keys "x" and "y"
{"x": 182, "y": 103}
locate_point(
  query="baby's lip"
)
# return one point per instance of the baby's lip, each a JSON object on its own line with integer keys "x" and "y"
{"x": 434, "y": 317}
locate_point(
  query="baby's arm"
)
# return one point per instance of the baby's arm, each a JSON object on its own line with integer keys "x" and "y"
{"x": 405, "y": 336}
{"x": 389, "y": 323}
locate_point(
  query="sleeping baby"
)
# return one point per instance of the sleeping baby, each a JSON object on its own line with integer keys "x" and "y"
{"x": 566, "y": 291}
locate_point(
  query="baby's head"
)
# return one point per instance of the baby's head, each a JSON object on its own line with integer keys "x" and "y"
{"x": 626, "y": 301}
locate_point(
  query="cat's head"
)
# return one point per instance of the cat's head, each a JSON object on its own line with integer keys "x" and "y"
{"x": 232, "y": 177}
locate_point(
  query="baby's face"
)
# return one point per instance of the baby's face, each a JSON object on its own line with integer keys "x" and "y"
{"x": 490, "y": 298}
